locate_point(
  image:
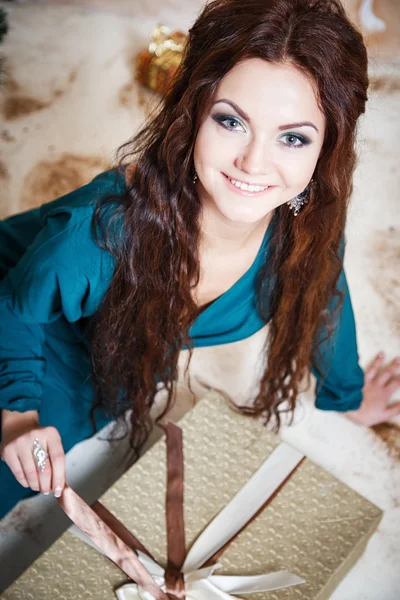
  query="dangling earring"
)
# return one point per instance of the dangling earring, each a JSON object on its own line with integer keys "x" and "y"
{"x": 195, "y": 177}
{"x": 298, "y": 201}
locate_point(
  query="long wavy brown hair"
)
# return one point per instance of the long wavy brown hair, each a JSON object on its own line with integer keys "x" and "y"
{"x": 149, "y": 307}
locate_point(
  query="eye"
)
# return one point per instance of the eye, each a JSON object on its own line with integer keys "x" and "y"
{"x": 228, "y": 122}
{"x": 295, "y": 140}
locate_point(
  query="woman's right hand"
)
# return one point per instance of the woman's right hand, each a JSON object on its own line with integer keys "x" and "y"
{"x": 19, "y": 430}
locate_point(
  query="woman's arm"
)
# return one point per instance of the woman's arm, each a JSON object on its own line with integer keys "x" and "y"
{"x": 362, "y": 397}
{"x": 340, "y": 379}
{"x": 63, "y": 273}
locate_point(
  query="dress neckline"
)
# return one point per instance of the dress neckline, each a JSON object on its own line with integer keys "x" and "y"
{"x": 244, "y": 279}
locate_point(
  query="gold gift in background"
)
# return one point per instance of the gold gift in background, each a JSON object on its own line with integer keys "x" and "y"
{"x": 156, "y": 66}
{"x": 315, "y": 526}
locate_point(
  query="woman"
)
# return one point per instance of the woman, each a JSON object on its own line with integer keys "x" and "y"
{"x": 234, "y": 218}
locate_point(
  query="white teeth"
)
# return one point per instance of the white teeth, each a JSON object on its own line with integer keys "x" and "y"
{"x": 245, "y": 186}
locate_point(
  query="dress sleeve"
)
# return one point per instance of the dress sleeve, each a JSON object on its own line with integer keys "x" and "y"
{"x": 341, "y": 388}
{"x": 62, "y": 273}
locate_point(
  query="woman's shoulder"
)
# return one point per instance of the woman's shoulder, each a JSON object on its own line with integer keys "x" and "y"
{"x": 66, "y": 245}
{"x": 67, "y": 225}
{"x": 81, "y": 203}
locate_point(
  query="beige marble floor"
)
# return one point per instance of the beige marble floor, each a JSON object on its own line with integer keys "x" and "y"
{"x": 69, "y": 103}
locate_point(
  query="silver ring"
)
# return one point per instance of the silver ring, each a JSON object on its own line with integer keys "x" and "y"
{"x": 39, "y": 454}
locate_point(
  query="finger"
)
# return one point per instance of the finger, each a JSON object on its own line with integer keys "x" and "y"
{"x": 373, "y": 368}
{"x": 392, "y": 411}
{"x": 45, "y": 474}
{"x": 393, "y": 385}
{"x": 57, "y": 458}
{"x": 14, "y": 463}
{"x": 29, "y": 467}
{"x": 386, "y": 373}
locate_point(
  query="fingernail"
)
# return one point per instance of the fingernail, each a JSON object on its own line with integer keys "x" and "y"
{"x": 46, "y": 493}
{"x": 57, "y": 492}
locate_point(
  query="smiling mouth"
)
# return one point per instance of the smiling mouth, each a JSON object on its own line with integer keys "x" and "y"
{"x": 246, "y": 187}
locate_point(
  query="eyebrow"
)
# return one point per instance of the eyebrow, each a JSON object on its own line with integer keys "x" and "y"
{"x": 301, "y": 124}
{"x": 246, "y": 117}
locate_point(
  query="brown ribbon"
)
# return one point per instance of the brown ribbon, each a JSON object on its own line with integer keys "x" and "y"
{"x": 120, "y": 545}
{"x": 176, "y": 547}
{"x": 119, "y": 528}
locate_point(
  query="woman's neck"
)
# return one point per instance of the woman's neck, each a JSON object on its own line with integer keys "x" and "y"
{"x": 222, "y": 235}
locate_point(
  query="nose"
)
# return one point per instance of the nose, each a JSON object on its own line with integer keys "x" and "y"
{"x": 254, "y": 159}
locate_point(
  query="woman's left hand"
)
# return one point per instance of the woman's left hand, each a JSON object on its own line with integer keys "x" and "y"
{"x": 380, "y": 383}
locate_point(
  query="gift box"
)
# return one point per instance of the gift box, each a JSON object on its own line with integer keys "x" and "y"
{"x": 156, "y": 66}
{"x": 313, "y": 527}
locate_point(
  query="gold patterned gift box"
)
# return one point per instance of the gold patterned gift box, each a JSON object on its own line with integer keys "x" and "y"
{"x": 314, "y": 526}
{"x": 156, "y": 66}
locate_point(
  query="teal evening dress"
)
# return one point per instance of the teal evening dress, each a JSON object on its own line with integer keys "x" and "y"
{"x": 54, "y": 276}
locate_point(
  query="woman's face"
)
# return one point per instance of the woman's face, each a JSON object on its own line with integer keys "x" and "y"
{"x": 264, "y": 129}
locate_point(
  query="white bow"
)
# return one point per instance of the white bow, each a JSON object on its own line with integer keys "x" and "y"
{"x": 204, "y": 585}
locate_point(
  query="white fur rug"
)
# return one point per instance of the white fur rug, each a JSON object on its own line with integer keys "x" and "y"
{"x": 69, "y": 102}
